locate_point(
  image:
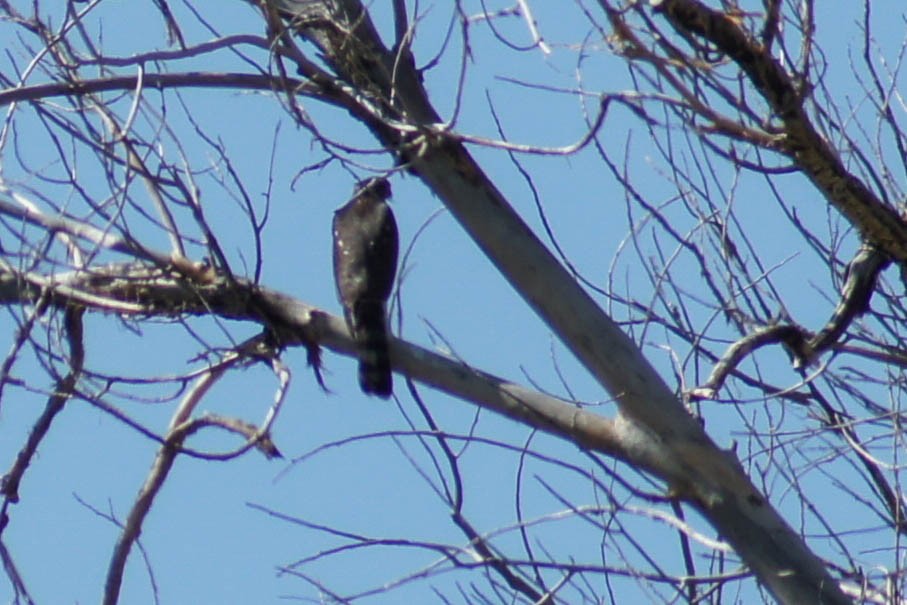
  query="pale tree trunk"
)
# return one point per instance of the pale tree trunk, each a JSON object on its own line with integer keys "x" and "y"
{"x": 653, "y": 428}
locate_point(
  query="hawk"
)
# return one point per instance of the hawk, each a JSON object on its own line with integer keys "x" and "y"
{"x": 365, "y": 264}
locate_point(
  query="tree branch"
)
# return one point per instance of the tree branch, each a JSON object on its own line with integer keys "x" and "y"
{"x": 878, "y": 223}
{"x": 653, "y": 426}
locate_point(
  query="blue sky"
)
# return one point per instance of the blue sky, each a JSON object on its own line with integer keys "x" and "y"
{"x": 207, "y": 538}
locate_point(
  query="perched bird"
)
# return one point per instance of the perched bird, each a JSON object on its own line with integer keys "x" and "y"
{"x": 365, "y": 264}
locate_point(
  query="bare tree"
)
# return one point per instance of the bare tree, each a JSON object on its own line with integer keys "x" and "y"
{"x": 758, "y": 169}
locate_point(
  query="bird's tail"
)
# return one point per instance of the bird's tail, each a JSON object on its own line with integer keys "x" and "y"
{"x": 374, "y": 357}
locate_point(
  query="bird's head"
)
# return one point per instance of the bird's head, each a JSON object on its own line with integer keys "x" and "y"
{"x": 378, "y": 186}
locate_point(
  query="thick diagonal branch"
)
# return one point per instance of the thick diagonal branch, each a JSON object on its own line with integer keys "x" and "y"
{"x": 654, "y": 430}
{"x": 878, "y": 223}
